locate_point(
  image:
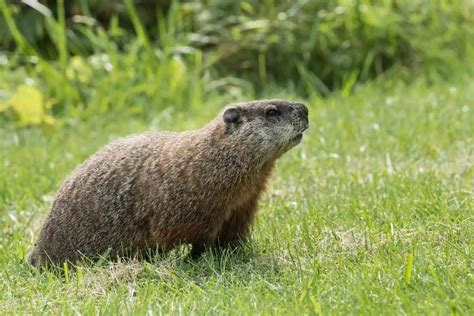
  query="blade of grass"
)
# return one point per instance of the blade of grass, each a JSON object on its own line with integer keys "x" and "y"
{"x": 20, "y": 40}
{"x": 137, "y": 25}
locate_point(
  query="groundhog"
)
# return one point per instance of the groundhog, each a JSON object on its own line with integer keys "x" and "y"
{"x": 161, "y": 190}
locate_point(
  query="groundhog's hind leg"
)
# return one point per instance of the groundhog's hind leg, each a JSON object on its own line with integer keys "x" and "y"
{"x": 199, "y": 248}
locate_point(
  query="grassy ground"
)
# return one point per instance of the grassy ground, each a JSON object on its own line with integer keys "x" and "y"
{"x": 372, "y": 213}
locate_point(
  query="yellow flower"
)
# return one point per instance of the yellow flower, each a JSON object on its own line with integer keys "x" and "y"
{"x": 28, "y": 103}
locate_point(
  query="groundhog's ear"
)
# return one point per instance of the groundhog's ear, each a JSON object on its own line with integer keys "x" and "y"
{"x": 231, "y": 115}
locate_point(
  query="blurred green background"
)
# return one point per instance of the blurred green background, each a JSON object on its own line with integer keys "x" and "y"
{"x": 73, "y": 49}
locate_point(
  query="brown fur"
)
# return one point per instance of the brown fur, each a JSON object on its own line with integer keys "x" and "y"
{"x": 161, "y": 190}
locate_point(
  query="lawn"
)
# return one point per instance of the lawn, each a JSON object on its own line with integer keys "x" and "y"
{"x": 372, "y": 213}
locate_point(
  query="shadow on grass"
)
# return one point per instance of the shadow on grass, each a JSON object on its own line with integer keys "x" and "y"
{"x": 175, "y": 269}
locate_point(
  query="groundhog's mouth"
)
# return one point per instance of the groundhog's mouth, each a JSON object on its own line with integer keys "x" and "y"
{"x": 297, "y": 139}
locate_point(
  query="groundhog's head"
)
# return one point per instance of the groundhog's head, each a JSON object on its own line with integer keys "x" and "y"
{"x": 271, "y": 127}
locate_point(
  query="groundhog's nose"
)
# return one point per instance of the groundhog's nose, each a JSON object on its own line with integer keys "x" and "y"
{"x": 301, "y": 108}
{"x": 302, "y": 113}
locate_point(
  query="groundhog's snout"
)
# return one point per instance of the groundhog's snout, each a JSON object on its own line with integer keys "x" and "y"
{"x": 302, "y": 113}
{"x": 302, "y": 108}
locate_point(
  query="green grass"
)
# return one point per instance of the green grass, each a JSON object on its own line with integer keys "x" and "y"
{"x": 372, "y": 213}
{"x": 333, "y": 44}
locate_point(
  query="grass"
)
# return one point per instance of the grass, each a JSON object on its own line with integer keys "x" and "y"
{"x": 372, "y": 213}
{"x": 333, "y": 44}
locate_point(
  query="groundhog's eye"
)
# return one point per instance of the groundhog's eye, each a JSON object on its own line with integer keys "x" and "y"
{"x": 273, "y": 112}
